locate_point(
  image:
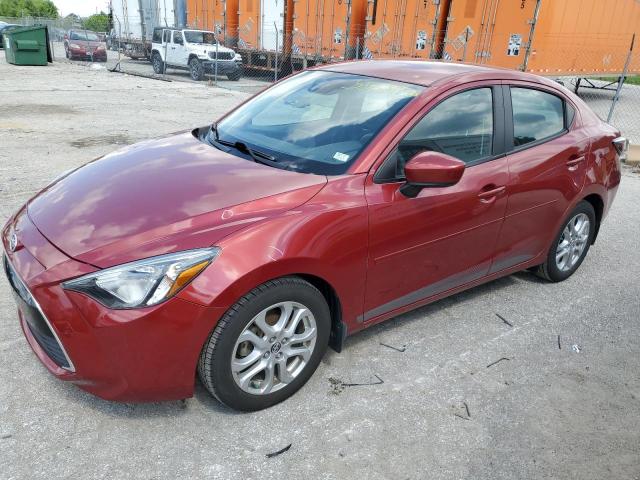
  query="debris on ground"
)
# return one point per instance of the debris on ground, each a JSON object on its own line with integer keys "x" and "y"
{"x": 576, "y": 348}
{"x": 337, "y": 385}
{"x": 497, "y": 361}
{"x": 279, "y": 452}
{"x": 464, "y": 414}
{"x": 397, "y": 349}
{"x": 504, "y": 319}
{"x": 559, "y": 346}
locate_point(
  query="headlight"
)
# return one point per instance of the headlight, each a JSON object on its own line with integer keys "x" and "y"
{"x": 145, "y": 282}
{"x": 238, "y": 57}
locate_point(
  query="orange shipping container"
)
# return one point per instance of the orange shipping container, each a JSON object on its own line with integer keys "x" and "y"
{"x": 548, "y": 37}
{"x": 220, "y": 16}
{"x": 265, "y": 25}
{"x": 405, "y": 28}
{"x": 328, "y": 28}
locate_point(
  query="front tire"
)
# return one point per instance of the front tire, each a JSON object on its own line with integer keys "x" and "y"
{"x": 571, "y": 245}
{"x": 196, "y": 69}
{"x": 267, "y": 345}
{"x": 158, "y": 64}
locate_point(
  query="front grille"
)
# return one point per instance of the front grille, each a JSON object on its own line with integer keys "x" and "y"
{"x": 36, "y": 321}
{"x": 222, "y": 55}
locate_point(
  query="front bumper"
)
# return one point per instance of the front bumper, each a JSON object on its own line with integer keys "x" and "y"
{"x": 83, "y": 54}
{"x": 225, "y": 67}
{"x": 146, "y": 354}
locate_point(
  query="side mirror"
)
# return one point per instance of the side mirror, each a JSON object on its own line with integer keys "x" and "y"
{"x": 431, "y": 169}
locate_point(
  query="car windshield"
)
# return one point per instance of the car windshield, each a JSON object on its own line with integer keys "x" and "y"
{"x": 86, "y": 36}
{"x": 317, "y": 122}
{"x": 208, "y": 38}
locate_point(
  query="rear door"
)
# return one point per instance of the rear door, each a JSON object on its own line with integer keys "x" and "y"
{"x": 445, "y": 236}
{"x": 547, "y": 156}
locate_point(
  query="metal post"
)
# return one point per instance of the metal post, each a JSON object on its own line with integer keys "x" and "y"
{"x": 166, "y": 44}
{"x": 215, "y": 68}
{"x": 466, "y": 42}
{"x": 119, "y": 42}
{"x": 358, "y": 48}
{"x": 275, "y": 77}
{"x": 532, "y": 31}
{"x": 621, "y": 79}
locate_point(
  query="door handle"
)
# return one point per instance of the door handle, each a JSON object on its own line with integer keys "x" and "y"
{"x": 494, "y": 192}
{"x": 575, "y": 161}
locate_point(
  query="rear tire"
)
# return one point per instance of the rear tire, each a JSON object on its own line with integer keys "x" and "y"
{"x": 286, "y": 324}
{"x": 571, "y": 245}
{"x": 196, "y": 69}
{"x": 158, "y": 64}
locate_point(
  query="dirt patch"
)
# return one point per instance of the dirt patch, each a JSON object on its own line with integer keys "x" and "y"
{"x": 336, "y": 386}
{"x": 21, "y": 109}
{"x": 115, "y": 139}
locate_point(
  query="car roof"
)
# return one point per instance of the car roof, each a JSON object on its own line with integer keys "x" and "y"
{"x": 424, "y": 72}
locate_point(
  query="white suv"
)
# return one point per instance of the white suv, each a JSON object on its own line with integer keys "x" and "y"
{"x": 193, "y": 50}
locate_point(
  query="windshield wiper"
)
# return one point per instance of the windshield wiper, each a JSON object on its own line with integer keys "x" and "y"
{"x": 256, "y": 155}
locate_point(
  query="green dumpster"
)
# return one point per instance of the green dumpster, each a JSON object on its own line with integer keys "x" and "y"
{"x": 28, "y": 46}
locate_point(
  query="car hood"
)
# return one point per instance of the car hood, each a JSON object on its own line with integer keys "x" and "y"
{"x": 162, "y": 196}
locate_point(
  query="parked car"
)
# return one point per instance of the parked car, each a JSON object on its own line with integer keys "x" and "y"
{"x": 84, "y": 45}
{"x": 194, "y": 50}
{"x": 335, "y": 199}
{"x": 4, "y": 28}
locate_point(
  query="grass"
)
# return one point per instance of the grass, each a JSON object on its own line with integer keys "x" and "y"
{"x": 631, "y": 80}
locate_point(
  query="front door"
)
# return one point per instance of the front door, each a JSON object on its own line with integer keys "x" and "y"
{"x": 445, "y": 236}
{"x": 176, "y": 50}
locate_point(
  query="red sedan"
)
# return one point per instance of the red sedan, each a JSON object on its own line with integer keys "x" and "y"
{"x": 334, "y": 200}
{"x": 84, "y": 45}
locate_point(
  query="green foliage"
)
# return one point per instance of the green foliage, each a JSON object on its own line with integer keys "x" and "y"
{"x": 31, "y": 8}
{"x": 97, "y": 23}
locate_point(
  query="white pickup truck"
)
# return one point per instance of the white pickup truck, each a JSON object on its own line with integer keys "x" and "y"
{"x": 194, "y": 50}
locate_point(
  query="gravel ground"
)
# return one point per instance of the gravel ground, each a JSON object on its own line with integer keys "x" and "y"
{"x": 546, "y": 412}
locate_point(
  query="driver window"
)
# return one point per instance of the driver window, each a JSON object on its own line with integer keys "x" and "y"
{"x": 177, "y": 38}
{"x": 460, "y": 126}
{"x": 167, "y": 36}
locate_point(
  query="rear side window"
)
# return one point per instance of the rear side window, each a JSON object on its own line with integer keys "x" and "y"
{"x": 460, "y": 126}
{"x": 536, "y": 115}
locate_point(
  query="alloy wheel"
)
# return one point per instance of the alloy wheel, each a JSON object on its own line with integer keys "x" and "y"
{"x": 274, "y": 348}
{"x": 573, "y": 242}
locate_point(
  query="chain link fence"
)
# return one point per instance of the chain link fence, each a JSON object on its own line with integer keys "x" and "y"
{"x": 606, "y": 80}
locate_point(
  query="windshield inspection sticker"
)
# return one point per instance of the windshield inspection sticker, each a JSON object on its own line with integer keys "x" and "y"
{"x": 341, "y": 157}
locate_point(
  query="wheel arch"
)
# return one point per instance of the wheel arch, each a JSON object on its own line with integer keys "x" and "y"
{"x": 338, "y": 328}
{"x": 597, "y": 203}
{"x": 304, "y": 268}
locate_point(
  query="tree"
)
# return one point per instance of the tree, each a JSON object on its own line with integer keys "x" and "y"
{"x": 28, "y": 8}
{"x": 97, "y": 23}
